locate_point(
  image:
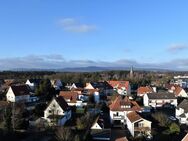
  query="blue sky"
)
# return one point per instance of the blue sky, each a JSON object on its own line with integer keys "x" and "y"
{"x": 73, "y": 33}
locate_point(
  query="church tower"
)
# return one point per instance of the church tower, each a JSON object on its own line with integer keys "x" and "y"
{"x": 131, "y": 72}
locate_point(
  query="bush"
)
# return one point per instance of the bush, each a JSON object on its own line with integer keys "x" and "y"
{"x": 161, "y": 118}
{"x": 174, "y": 128}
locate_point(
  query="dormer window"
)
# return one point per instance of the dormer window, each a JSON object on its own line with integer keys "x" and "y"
{"x": 127, "y": 106}
{"x": 123, "y": 106}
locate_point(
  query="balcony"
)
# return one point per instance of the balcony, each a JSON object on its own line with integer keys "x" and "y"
{"x": 142, "y": 129}
{"x": 119, "y": 117}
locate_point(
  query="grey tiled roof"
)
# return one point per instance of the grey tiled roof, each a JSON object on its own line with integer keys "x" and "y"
{"x": 163, "y": 95}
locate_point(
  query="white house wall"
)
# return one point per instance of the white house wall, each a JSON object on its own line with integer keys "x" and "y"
{"x": 89, "y": 86}
{"x": 56, "y": 109}
{"x": 146, "y": 100}
{"x": 31, "y": 85}
{"x": 10, "y": 95}
{"x": 130, "y": 127}
{"x": 96, "y": 126}
{"x": 12, "y": 98}
{"x": 158, "y": 102}
{"x": 183, "y": 93}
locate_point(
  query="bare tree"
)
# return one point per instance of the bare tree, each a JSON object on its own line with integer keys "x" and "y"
{"x": 64, "y": 134}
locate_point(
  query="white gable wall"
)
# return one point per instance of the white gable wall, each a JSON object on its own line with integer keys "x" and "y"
{"x": 144, "y": 122}
{"x": 183, "y": 93}
{"x": 31, "y": 85}
{"x": 12, "y": 98}
{"x": 10, "y": 95}
{"x": 182, "y": 120}
{"x": 96, "y": 126}
{"x": 89, "y": 86}
{"x": 53, "y": 108}
{"x": 73, "y": 86}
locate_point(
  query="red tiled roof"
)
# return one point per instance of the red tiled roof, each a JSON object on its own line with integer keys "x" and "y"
{"x": 185, "y": 138}
{"x": 133, "y": 116}
{"x": 143, "y": 90}
{"x": 177, "y": 90}
{"x": 119, "y": 84}
{"x": 122, "y": 139}
{"x": 69, "y": 95}
{"x": 119, "y": 102}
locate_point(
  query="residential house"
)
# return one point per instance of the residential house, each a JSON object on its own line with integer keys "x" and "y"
{"x": 138, "y": 125}
{"x": 100, "y": 129}
{"x": 141, "y": 91}
{"x": 103, "y": 87}
{"x": 182, "y": 81}
{"x": 58, "y": 112}
{"x": 119, "y": 109}
{"x": 92, "y": 92}
{"x": 57, "y": 84}
{"x": 73, "y": 98}
{"x": 182, "y": 112}
{"x": 78, "y": 90}
{"x": 177, "y": 90}
{"x": 9, "y": 82}
{"x": 98, "y": 124}
{"x": 159, "y": 99}
{"x": 77, "y": 86}
{"x": 33, "y": 83}
{"x": 17, "y": 93}
{"x": 122, "y": 87}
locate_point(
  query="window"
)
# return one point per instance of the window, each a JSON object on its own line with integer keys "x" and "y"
{"x": 140, "y": 124}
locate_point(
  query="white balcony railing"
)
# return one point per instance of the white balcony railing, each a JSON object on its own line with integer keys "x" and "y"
{"x": 120, "y": 117}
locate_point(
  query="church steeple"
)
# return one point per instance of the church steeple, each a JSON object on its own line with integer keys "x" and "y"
{"x": 131, "y": 72}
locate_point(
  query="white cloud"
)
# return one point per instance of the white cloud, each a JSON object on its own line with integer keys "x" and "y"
{"x": 72, "y": 25}
{"x": 67, "y": 22}
{"x": 177, "y": 47}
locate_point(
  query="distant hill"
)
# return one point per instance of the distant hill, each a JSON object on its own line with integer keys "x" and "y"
{"x": 92, "y": 69}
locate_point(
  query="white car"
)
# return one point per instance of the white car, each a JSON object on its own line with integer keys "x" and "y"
{"x": 172, "y": 118}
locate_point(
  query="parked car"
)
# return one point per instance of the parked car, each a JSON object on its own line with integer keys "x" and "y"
{"x": 172, "y": 118}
